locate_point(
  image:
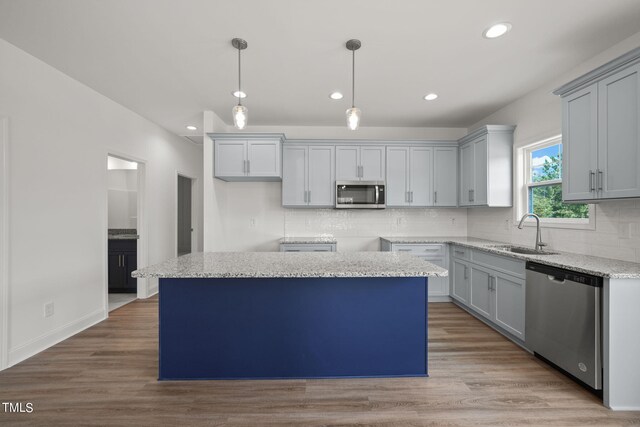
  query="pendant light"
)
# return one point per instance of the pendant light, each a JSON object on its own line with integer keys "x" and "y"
{"x": 239, "y": 111}
{"x": 353, "y": 113}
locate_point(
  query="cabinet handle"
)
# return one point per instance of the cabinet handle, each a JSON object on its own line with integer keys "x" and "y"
{"x": 600, "y": 179}
{"x": 465, "y": 272}
{"x": 489, "y": 283}
{"x": 592, "y": 178}
{"x": 459, "y": 252}
{"x": 248, "y": 166}
{"x": 309, "y": 196}
{"x": 410, "y": 196}
{"x": 473, "y": 195}
{"x": 435, "y": 197}
{"x": 404, "y": 250}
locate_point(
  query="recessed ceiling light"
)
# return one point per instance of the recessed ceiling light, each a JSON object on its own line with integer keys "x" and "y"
{"x": 431, "y": 96}
{"x": 336, "y": 95}
{"x": 496, "y": 30}
{"x": 236, "y": 93}
{"x": 192, "y": 127}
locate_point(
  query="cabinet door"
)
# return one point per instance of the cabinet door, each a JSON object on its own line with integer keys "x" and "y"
{"x": 466, "y": 173}
{"x": 397, "y": 176}
{"x": 480, "y": 171}
{"x": 321, "y": 181}
{"x": 580, "y": 144}
{"x": 230, "y": 158}
{"x": 131, "y": 264}
{"x": 438, "y": 286}
{"x": 347, "y": 163}
{"x": 481, "y": 282}
{"x": 619, "y": 134}
{"x": 116, "y": 273}
{"x": 420, "y": 173}
{"x": 445, "y": 176}
{"x": 264, "y": 158}
{"x": 294, "y": 175}
{"x": 372, "y": 163}
{"x": 461, "y": 273}
{"x": 509, "y": 294}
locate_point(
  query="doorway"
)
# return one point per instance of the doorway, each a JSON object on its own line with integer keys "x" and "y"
{"x": 122, "y": 230}
{"x": 185, "y": 215}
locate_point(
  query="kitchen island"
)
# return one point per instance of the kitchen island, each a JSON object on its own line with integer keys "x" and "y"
{"x": 265, "y": 315}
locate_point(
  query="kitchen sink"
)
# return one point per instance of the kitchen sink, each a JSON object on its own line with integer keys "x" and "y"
{"x": 521, "y": 250}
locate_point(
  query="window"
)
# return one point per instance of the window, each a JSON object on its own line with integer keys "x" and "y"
{"x": 542, "y": 192}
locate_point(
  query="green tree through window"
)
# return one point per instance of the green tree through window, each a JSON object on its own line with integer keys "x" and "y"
{"x": 545, "y": 200}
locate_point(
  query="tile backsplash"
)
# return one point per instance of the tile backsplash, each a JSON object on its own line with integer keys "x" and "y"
{"x": 359, "y": 230}
{"x": 616, "y": 234}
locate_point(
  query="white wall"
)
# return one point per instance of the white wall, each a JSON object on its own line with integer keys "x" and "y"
{"x": 248, "y": 216}
{"x": 122, "y": 200}
{"x": 538, "y": 116}
{"x": 58, "y": 222}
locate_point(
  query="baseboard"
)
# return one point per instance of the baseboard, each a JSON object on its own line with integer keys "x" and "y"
{"x": 439, "y": 298}
{"x": 43, "y": 342}
{"x": 152, "y": 291}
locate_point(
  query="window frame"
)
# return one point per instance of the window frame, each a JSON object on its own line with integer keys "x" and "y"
{"x": 526, "y": 183}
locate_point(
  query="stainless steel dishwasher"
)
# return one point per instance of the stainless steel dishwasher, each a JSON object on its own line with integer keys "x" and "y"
{"x": 564, "y": 321}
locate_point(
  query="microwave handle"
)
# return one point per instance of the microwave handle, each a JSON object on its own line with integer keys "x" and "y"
{"x": 377, "y": 195}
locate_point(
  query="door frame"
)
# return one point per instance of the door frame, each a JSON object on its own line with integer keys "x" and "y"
{"x": 142, "y": 252}
{"x": 194, "y": 215}
{"x": 4, "y": 243}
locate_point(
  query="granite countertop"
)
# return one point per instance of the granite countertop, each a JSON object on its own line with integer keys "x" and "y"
{"x": 123, "y": 234}
{"x": 597, "y": 266}
{"x": 292, "y": 264}
{"x": 309, "y": 240}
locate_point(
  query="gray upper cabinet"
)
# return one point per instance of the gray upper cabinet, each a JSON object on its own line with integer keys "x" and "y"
{"x": 247, "y": 157}
{"x": 601, "y": 132}
{"x": 360, "y": 163}
{"x": 445, "y": 176}
{"x": 485, "y": 176}
{"x": 409, "y": 176}
{"x": 308, "y": 176}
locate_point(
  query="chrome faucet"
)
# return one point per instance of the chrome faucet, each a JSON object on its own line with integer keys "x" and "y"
{"x": 539, "y": 243}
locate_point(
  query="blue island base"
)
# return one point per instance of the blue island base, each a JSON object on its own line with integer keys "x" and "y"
{"x": 292, "y": 328}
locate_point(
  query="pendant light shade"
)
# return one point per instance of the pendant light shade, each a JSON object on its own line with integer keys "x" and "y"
{"x": 240, "y": 112}
{"x": 353, "y": 118}
{"x": 353, "y": 113}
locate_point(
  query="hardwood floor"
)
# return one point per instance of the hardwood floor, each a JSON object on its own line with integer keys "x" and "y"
{"x": 107, "y": 376}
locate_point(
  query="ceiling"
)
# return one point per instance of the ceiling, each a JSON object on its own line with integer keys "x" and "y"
{"x": 169, "y": 60}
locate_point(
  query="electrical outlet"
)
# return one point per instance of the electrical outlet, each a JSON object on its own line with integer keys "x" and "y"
{"x": 506, "y": 224}
{"x": 453, "y": 221}
{"x": 252, "y": 222}
{"x": 48, "y": 309}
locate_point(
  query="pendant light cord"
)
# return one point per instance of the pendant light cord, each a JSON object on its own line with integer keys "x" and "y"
{"x": 353, "y": 78}
{"x": 239, "y": 78}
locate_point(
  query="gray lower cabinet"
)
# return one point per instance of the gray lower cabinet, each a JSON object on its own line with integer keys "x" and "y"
{"x": 435, "y": 253}
{"x": 307, "y": 247}
{"x": 308, "y": 176}
{"x": 459, "y": 276}
{"x": 601, "y": 132}
{"x": 491, "y": 286}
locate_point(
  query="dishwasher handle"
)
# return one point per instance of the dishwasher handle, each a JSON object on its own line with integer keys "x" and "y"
{"x": 556, "y": 279}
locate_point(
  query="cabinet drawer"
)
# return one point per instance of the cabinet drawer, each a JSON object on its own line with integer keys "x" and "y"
{"x": 500, "y": 263}
{"x": 307, "y": 247}
{"x": 123, "y": 245}
{"x": 461, "y": 252}
{"x": 436, "y": 250}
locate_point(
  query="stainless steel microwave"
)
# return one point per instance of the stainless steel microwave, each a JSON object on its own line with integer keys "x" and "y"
{"x": 360, "y": 195}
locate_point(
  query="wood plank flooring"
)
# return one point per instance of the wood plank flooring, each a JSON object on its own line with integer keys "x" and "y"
{"x": 107, "y": 374}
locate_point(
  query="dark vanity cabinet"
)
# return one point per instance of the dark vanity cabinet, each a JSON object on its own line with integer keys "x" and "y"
{"x": 122, "y": 261}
